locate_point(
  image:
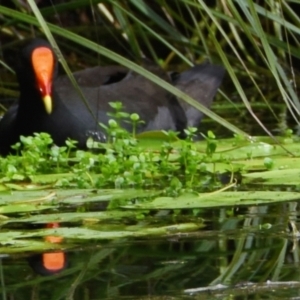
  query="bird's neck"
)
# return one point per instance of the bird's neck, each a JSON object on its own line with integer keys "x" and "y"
{"x": 30, "y": 99}
{"x": 31, "y": 102}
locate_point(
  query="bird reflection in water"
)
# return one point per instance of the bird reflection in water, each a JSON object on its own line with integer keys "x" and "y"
{"x": 49, "y": 263}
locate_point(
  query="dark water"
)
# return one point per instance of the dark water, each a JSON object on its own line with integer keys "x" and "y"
{"x": 241, "y": 253}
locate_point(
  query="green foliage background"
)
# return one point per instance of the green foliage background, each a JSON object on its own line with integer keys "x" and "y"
{"x": 256, "y": 41}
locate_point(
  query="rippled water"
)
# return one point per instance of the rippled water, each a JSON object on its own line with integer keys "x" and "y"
{"x": 243, "y": 252}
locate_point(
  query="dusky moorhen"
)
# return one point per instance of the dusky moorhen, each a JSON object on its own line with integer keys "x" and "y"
{"x": 52, "y": 105}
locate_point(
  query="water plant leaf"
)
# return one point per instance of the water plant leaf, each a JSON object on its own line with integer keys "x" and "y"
{"x": 84, "y": 217}
{"x": 21, "y": 208}
{"x": 216, "y": 199}
{"x": 274, "y": 177}
{"x": 129, "y": 231}
{"x": 20, "y": 241}
{"x": 33, "y": 201}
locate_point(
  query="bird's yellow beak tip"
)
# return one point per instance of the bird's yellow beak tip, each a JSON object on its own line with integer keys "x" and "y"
{"x": 48, "y": 104}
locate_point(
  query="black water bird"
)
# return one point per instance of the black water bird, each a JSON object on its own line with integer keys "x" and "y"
{"x": 51, "y": 104}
